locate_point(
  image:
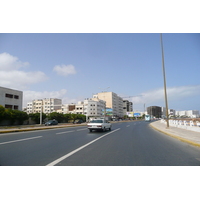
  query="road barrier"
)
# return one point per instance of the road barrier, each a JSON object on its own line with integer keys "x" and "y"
{"x": 184, "y": 124}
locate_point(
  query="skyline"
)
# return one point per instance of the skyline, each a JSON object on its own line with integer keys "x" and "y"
{"x": 74, "y": 66}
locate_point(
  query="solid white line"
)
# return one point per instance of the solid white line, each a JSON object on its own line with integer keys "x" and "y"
{"x": 64, "y": 132}
{"x": 21, "y": 140}
{"x": 76, "y": 150}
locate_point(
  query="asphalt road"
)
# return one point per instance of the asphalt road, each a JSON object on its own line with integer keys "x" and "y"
{"x": 127, "y": 144}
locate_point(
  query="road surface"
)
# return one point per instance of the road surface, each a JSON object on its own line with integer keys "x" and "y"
{"x": 132, "y": 143}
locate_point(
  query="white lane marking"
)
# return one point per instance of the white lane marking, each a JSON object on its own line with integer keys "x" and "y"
{"x": 127, "y": 125}
{"x": 21, "y": 140}
{"x": 64, "y": 132}
{"x": 76, "y": 150}
{"x": 81, "y": 129}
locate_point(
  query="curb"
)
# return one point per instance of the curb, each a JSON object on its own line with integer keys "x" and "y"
{"x": 38, "y": 128}
{"x": 176, "y": 137}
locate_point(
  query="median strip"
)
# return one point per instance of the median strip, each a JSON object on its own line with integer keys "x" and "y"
{"x": 76, "y": 150}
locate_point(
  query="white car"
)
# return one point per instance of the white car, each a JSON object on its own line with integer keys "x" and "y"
{"x": 99, "y": 125}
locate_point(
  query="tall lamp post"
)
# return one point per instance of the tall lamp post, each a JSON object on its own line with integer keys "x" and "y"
{"x": 165, "y": 90}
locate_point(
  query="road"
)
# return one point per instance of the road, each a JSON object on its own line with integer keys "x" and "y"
{"x": 132, "y": 143}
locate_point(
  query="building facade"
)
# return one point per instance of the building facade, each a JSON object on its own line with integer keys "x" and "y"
{"x": 127, "y": 107}
{"x": 188, "y": 113}
{"x": 91, "y": 107}
{"x": 10, "y": 98}
{"x": 47, "y": 105}
{"x": 154, "y": 111}
{"x": 113, "y": 102}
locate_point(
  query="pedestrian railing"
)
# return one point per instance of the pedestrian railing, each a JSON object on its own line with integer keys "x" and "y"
{"x": 185, "y": 124}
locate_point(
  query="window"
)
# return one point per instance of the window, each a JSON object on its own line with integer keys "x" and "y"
{"x": 9, "y": 96}
{"x": 15, "y": 107}
{"x": 8, "y": 106}
{"x": 16, "y": 96}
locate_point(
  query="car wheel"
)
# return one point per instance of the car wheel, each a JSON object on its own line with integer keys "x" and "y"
{"x": 104, "y": 129}
{"x": 110, "y": 128}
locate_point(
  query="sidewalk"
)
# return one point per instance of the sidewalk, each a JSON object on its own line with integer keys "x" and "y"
{"x": 184, "y": 135}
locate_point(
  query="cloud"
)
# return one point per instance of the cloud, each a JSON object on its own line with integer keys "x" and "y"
{"x": 156, "y": 97}
{"x": 28, "y": 96}
{"x": 9, "y": 62}
{"x": 64, "y": 70}
{"x": 31, "y": 95}
{"x": 12, "y": 77}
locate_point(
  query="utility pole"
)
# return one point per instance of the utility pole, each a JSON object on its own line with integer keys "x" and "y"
{"x": 165, "y": 90}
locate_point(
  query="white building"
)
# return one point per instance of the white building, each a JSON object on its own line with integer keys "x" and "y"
{"x": 10, "y": 98}
{"x": 47, "y": 105}
{"x": 188, "y": 113}
{"x": 91, "y": 107}
{"x": 68, "y": 108}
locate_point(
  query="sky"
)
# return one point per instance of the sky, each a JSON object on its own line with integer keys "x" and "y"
{"x": 74, "y": 49}
{"x": 74, "y": 66}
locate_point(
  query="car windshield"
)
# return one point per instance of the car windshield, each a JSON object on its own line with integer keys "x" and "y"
{"x": 96, "y": 121}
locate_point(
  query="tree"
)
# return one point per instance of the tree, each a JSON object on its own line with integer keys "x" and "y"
{"x": 73, "y": 117}
{"x": 58, "y": 116}
{"x": 21, "y": 116}
{"x": 67, "y": 117}
{"x": 2, "y": 113}
{"x": 36, "y": 117}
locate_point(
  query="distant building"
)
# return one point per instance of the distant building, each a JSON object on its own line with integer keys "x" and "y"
{"x": 171, "y": 112}
{"x": 127, "y": 107}
{"x": 68, "y": 108}
{"x": 10, "y": 98}
{"x": 114, "y": 103}
{"x": 47, "y": 105}
{"x": 188, "y": 113}
{"x": 154, "y": 111}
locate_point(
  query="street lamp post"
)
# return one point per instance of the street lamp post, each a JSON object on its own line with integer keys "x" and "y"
{"x": 165, "y": 90}
{"x": 41, "y": 115}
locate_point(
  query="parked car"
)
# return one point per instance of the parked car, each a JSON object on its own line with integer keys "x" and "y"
{"x": 79, "y": 121}
{"x": 99, "y": 125}
{"x": 51, "y": 122}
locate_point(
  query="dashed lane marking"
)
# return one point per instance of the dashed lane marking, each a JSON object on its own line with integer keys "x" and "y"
{"x": 81, "y": 129}
{"x": 76, "y": 150}
{"x": 64, "y": 132}
{"x": 20, "y": 140}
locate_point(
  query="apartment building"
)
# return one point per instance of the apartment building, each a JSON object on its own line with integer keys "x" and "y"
{"x": 47, "y": 105}
{"x": 113, "y": 102}
{"x": 155, "y": 111}
{"x": 91, "y": 107}
{"x": 68, "y": 108}
{"x": 10, "y": 98}
{"x": 127, "y": 107}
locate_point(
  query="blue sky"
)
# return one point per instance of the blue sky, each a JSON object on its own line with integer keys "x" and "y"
{"x": 75, "y": 66}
